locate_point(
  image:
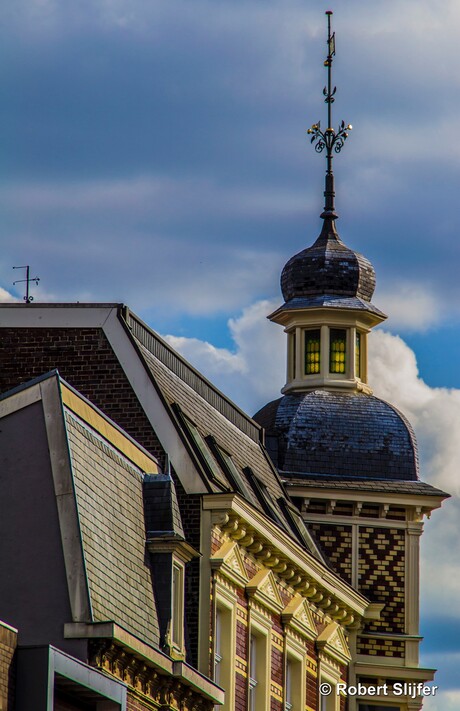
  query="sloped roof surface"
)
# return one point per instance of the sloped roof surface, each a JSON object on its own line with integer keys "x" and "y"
{"x": 328, "y": 267}
{"x": 110, "y": 503}
{"x": 212, "y": 414}
{"x": 339, "y": 434}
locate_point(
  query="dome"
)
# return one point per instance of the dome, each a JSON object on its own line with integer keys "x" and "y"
{"x": 339, "y": 434}
{"x": 328, "y": 267}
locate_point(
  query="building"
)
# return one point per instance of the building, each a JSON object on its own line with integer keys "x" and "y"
{"x": 86, "y": 518}
{"x": 262, "y": 604}
{"x": 159, "y": 549}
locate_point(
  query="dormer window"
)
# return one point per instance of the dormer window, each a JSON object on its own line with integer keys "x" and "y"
{"x": 312, "y": 351}
{"x": 338, "y": 351}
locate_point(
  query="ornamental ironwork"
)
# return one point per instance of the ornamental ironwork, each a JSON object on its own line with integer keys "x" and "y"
{"x": 330, "y": 139}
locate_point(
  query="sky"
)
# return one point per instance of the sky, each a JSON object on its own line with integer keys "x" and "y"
{"x": 155, "y": 153}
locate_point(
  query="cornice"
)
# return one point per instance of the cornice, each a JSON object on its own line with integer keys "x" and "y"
{"x": 148, "y": 670}
{"x": 421, "y": 502}
{"x": 275, "y": 550}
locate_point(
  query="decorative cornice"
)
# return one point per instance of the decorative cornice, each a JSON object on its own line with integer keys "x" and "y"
{"x": 273, "y": 549}
{"x": 145, "y": 669}
{"x": 173, "y": 545}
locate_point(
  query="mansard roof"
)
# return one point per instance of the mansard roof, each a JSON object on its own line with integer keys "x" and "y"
{"x": 88, "y": 477}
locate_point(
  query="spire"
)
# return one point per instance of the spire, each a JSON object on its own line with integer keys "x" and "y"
{"x": 329, "y": 139}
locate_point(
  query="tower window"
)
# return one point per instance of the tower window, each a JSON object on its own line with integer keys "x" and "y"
{"x": 312, "y": 351}
{"x": 337, "y": 351}
{"x": 358, "y": 355}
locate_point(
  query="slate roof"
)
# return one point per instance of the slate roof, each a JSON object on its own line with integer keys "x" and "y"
{"x": 214, "y": 416}
{"x": 109, "y": 496}
{"x": 328, "y": 267}
{"x": 331, "y": 301}
{"x": 339, "y": 434}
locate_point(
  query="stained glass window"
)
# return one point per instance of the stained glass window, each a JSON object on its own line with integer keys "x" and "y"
{"x": 338, "y": 348}
{"x": 312, "y": 351}
{"x": 358, "y": 355}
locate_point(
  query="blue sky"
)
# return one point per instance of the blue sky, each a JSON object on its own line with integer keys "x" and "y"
{"x": 156, "y": 153}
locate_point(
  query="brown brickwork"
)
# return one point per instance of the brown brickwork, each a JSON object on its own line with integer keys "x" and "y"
{"x": 8, "y": 642}
{"x": 241, "y": 692}
{"x": 336, "y": 543}
{"x": 312, "y": 680}
{"x": 86, "y": 360}
{"x": 381, "y": 575}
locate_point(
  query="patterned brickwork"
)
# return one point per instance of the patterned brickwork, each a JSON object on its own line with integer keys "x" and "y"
{"x": 380, "y": 647}
{"x": 8, "y": 641}
{"x": 381, "y": 575}
{"x": 336, "y": 543}
{"x": 86, "y": 360}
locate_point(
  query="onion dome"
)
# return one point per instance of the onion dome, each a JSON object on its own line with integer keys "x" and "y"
{"x": 328, "y": 268}
{"x": 339, "y": 434}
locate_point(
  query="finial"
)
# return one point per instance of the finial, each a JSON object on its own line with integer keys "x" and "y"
{"x": 329, "y": 139}
{"x": 27, "y": 298}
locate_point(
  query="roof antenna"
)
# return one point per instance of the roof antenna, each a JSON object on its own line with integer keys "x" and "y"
{"x": 329, "y": 139}
{"x": 28, "y": 280}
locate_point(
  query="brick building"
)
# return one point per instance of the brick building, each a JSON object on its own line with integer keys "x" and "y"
{"x": 159, "y": 549}
{"x": 271, "y": 606}
{"x": 265, "y": 616}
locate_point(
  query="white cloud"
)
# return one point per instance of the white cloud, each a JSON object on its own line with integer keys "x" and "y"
{"x": 410, "y": 306}
{"x": 6, "y": 297}
{"x": 253, "y": 372}
{"x": 435, "y": 416}
{"x": 443, "y": 701}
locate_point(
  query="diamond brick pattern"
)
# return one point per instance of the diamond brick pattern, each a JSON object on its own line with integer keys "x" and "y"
{"x": 336, "y": 543}
{"x": 381, "y": 575}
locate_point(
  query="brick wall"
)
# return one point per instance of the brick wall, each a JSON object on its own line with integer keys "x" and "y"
{"x": 86, "y": 360}
{"x": 8, "y": 642}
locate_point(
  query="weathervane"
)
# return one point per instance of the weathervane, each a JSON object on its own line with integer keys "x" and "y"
{"x": 329, "y": 139}
{"x": 27, "y": 298}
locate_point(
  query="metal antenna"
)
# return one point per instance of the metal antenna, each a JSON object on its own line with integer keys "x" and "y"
{"x": 28, "y": 280}
{"x": 329, "y": 139}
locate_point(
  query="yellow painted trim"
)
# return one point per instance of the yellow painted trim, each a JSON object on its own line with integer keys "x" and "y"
{"x": 108, "y": 431}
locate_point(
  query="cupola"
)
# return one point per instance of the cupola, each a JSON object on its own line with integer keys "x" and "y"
{"x": 327, "y": 288}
